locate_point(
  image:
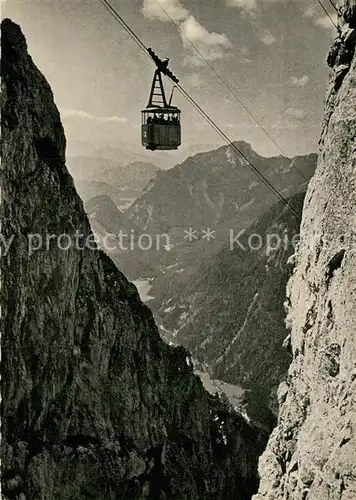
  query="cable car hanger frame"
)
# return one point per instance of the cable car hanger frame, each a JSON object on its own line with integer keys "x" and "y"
{"x": 161, "y": 129}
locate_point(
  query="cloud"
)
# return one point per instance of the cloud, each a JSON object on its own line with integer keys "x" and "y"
{"x": 243, "y": 4}
{"x": 283, "y": 126}
{"x": 75, "y": 113}
{"x": 245, "y": 51}
{"x": 325, "y": 22}
{"x": 297, "y": 113}
{"x": 248, "y": 8}
{"x": 266, "y": 37}
{"x": 301, "y": 81}
{"x": 281, "y": 122}
{"x": 310, "y": 12}
{"x": 241, "y": 125}
{"x": 212, "y": 45}
{"x": 152, "y": 10}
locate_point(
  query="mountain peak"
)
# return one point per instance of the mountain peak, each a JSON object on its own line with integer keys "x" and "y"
{"x": 210, "y": 188}
{"x": 12, "y": 36}
{"x": 243, "y": 145}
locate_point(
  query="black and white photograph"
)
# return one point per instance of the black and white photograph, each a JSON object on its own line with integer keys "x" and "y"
{"x": 178, "y": 250}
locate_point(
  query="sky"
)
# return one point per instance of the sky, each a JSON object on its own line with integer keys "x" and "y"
{"x": 271, "y": 53}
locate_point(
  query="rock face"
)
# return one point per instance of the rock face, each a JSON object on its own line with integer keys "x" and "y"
{"x": 311, "y": 454}
{"x": 94, "y": 404}
{"x": 106, "y": 222}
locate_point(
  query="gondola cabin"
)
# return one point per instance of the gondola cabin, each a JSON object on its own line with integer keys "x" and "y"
{"x": 161, "y": 127}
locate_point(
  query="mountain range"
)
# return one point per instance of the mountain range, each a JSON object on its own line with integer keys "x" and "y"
{"x": 214, "y": 300}
{"x": 217, "y": 186}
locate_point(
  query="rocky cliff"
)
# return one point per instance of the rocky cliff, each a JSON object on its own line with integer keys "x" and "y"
{"x": 94, "y": 404}
{"x": 311, "y": 454}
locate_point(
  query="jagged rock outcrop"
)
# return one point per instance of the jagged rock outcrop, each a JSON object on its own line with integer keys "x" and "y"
{"x": 311, "y": 454}
{"x": 103, "y": 209}
{"x": 94, "y": 404}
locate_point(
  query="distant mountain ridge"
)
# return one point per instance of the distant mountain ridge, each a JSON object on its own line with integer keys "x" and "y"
{"x": 210, "y": 188}
{"x": 95, "y": 176}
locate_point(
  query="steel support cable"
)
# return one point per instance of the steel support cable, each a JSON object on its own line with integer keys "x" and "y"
{"x": 139, "y": 42}
{"x": 333, "y": 4}
{"x": 238, "y": 150}
{"x": 326, "y": 12}
{"x": 228, "y": 87}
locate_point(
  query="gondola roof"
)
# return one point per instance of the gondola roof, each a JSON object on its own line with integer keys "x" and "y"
{"x": 160, "y": 109}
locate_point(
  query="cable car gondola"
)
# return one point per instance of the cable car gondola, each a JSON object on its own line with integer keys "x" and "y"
{"x": 161, "y": 128}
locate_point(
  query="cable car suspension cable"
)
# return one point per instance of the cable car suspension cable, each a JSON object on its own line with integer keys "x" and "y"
{"x": 119, "y": 18}
{"x": 139, "y": 42}
{"x": 238, "y": 150}
{"x": 228, "y": 87}
{"x": 333, "y": 4}
{"x": 326, "y": 12}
